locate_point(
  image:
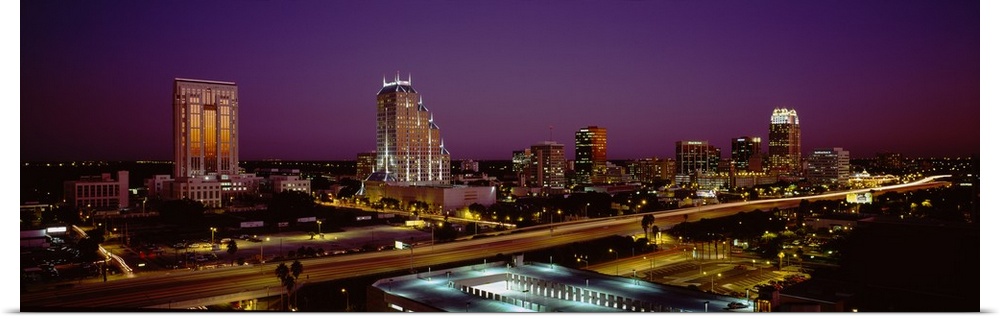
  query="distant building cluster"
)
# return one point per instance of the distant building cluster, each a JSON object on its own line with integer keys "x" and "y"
{"x": 409, "y": 151}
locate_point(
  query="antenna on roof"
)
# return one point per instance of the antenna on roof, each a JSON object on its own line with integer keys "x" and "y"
{"x": 550, "y": 132}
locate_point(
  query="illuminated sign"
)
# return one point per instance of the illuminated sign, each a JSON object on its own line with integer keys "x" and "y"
{"x": 61, "y": 229}
{"x": 306, "y": 219}
{"x": 252, "y": 224}
{"x": 859, "y": 198}
{"x": 402, "y": 245}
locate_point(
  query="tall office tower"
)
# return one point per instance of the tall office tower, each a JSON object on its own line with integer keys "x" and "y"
{"x": 746, "y": 154}
{"x": 206, "y": 133}
{"x": 696, "y": 157}
{"x": 829, "y": 166}
{"x": 410, "y": 149}
{"x": 520, "y": 160}
{"x": 784, "y": 142}
{"x": 365, "y": 165}
{"x": 547, "y": 167}
{"x": 591, "y": 155}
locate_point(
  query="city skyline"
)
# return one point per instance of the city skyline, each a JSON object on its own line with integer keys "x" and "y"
{"x": 868, "y": 77}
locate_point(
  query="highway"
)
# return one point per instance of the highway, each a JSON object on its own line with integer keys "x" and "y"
{"x": 186, "y": 288}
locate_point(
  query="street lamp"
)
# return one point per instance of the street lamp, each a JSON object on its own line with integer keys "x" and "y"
{"x": 344, "y": 291}
{"x": 213, "y": 229}
{"x": 262, "y": 254}
{"x": 613, "y": 251}
{"x": 319, "y": 228}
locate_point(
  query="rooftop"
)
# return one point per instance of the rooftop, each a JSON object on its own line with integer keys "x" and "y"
{"x": 541, "y": 287}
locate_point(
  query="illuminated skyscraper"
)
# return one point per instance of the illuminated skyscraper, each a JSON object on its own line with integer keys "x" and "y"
{"x": 746, "y": 154}
{"x": 591, "y": 155}
{"x": 696, "y": 157}
{"x": 206, "y": 133}
{"x": 829, "y": 166}
{"x": 547, "y": 168}
{"x": 784, "y": 143}
{"x": 409, "y": 147}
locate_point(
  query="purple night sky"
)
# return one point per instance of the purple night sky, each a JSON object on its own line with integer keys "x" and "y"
{"x": 869, "y": 76}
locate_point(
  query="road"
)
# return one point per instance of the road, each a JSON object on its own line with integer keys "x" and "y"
{"x": 166, "y": 289}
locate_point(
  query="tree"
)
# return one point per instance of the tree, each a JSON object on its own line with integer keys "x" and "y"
{"x": 281, "y": 271}
{"x": 284, "y": 275}
{"x": 647, "y": 220}
{"x": 296, "y": 269}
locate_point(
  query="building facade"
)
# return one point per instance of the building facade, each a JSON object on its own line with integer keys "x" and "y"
{"x": 649, "y": 170}
{"x": 365, "y": 165}
{"x": 591, "y": 155}
{"x": 409, "y": 146}
{"x": 98, "y": 192}
{"x": 469, "y": 166}
{"x": 829, "y": 166}
{"x": 547, "y": 166}
{"x": 206, "y": 130}
{"x": 292, "y": 183}
{"x": 784, "y": 143}
{"x": 696, "y": 157}
{"x": 746, "y": 154}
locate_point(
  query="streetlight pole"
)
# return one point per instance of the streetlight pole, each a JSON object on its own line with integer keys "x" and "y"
{"x": 262, "y": 254}
{"x": 319, "y": 228}
{"x": 344, "y": 291}
{"x": 616, "y": 259}
{"x": 213, "y": 229}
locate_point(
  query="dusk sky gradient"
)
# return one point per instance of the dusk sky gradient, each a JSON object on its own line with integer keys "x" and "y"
{"x": 870, "y": 76}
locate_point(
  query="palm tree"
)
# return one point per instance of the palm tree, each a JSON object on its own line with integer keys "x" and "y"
{"x": 296, "y": 269}
{"x": 647, "y": 220}
{"x": 281, "y": 271}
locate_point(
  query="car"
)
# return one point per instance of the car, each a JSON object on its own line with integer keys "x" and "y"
{"x": 178, "y": 245}
{"x": 737, "y": 305}
{"x": 193, "y": 245}
{"x": 205, "y": 245}
{"x": 255, "y": 239}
